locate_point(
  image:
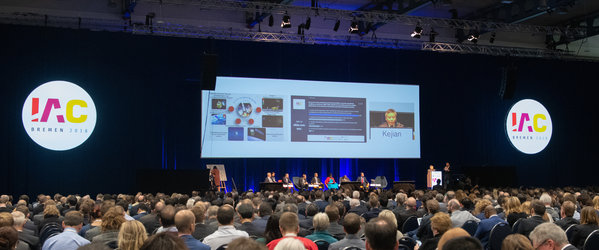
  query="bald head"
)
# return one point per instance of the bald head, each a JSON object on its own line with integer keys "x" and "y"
{"x": 411, "y": 203}
{"x": 490, "y": 211}
{"x": 185, "y": 221}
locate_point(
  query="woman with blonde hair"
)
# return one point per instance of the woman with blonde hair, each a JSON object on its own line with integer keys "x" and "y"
{"x": 589, "y": 222}
{"x": 516, "y": 242}
{"x": 479, "y": 208}
{"x": 132, "y": 235}
{"x": 513, "y": 210}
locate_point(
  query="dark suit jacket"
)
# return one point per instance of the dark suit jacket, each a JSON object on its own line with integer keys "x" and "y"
{"x": 567, "y": 222}
{"x": 373, "y": 213}
{"x": 402, "y": 216}
{"x": 316, "y": 180}
{"x": 203, "y": 230}
{"x": 527, "y": 225}
{"x": 321, "y": 204}
{"x": 286, "y": 180}
{"x": 31, "y": 226}
{"x": 306, "y": 223}
{"x": 151, "y": 222}
{"x": 484, "y": 229}
{"x": 336, "y": 230}
{"x": 580, "y": 234}
{"x": 251, "y": 229}
{"x": 31, "y": 240}
{"x": 268, "y": 180}
{"x": 260, "y": 223}
{"x": 359, "y": 210}
{"x": 301, "y": 208}
{"x": 513, "y": 217}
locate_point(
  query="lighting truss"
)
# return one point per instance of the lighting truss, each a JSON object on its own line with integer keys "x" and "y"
{"x": 366, "y": 16}
{"x": 190, "y": 31}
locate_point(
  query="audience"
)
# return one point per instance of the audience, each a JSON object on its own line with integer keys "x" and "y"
{"x": 226, "y": 231}
{"x": 131, "y": 235}
{"x": 278, "y": 220}
{"x": 550, "y": 236}
{"x": 516, "y": 242}
{"x": 69, "y": 238}
{"x": 351, "y": 226}
{"x": 588, "y": 223}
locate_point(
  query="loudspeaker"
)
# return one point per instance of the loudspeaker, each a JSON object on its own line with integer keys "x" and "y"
{"x": 508, "y": 82}
{"x": 209, "y": 71}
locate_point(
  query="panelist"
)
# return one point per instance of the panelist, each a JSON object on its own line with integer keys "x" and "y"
{"x": 303, "y": 182}
{"x": 274, "y": 179}
{"x": 391, "y": 120}
{"x": 315, "y": 179}
{"x": 330, "y": 182}
{"x": 269, "y": 178}
{"x": 344, "y": 179}
{"x": 363, "y": 180}
{"x": 286, "y": 179}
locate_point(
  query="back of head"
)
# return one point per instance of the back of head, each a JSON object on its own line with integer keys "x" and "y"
{"x": 112, "y": 220}
{"x": 432, "y": 206}
{"x": 546, "y": 231}
{"x": 8, "y": 237}
{"x": 588, "y": 215}
{"x": 185, "y": 221}
{"x": 411, "y": 203}
{"x": 462, "y": 243}
{"x": 265, "y": 209}
{"x": 545, "y": 198}
{"x": 568, "y": 207}
{"x": 538, "y": 207}
{"x": 453, "y": 205}
{"x": 167, "y": 216}
{"x": 320, "y": 222}
{"x": 380, "y": 234}
{"x": 290, "y": 244}
{"x": 225, "y": 215}
{"x": 516, "y": 242}
{"x": 6, "y": 220}
{"x": 290, "y": 207}
{"x": 351, "y": 223}
{"x": 441, "y": 222}
{"x": 388, "y": 215}
{"x": 244, "y": 243}
{"x": 451, "y": 234}
{"x": 489, "y": 211}
{"x": 131, "y": 235}
{"x": 18, "y": 218}
{"x": 332, "y": 212}
{"x": 164, "y": 241}
{"x": 73, "y": 218}
{"x": 311, "y": 209}
{"x": 245, "y": 210}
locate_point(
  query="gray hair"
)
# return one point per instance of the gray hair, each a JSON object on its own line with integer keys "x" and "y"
{"x": 356, "y": 195}
{"x": 321, "y": 222}
{"x": 545, "y": 198}
{"x": 354, "y": 202}
{"x": 290, "y": 244}
{"x": 547, "y": 231}
{"x": 190, "y": 203}
{"x": 18, "y": 218}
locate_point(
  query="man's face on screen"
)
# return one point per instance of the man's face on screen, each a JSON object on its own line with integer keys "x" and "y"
{"x": 390, "y": 118}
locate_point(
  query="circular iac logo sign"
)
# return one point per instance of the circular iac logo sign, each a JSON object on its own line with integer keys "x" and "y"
{"x": 529, "y": 126}
{"x": 59, "y": 115}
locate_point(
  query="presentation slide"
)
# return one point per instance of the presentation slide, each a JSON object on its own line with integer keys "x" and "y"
{"x": 268, "y": 118}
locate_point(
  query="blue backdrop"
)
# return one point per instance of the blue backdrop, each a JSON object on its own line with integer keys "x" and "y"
{"x": 146, "y": 91}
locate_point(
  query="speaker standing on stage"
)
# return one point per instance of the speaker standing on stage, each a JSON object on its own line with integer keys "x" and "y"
{"x": 215, "y": 177}
{"x": 446, "y": 174}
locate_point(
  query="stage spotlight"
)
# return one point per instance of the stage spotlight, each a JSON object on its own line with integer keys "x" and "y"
{"x": 432, "y": 35}
{"x": 492, "y": 39}
{"x": 307, "y": 24}
{"x": 336, "y": 27}
{"x": 286, "y": 22}
{"x": 473, "y": 37}
{"x": 353, "y": 28}
{"x": 417, "y": 32}
{"x": 271, "y": 21}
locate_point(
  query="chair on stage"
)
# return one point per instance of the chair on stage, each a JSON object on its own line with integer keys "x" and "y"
{"x": 470, "y": 226}
{"x": 498, "y": 234}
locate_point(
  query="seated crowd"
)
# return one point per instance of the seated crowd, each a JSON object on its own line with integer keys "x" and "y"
{"x": 334, "y": 219}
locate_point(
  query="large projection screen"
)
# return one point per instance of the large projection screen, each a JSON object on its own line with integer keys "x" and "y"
{"x": 264, "y": 118}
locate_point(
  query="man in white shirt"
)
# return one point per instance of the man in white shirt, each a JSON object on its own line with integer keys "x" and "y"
{"x": 226, "y": 231}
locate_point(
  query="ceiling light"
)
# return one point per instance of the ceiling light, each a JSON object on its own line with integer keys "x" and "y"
{"x": 353, "y": 28}
{"x": 286, "y": 23}
{"x": 417, "y": 32}
{"x": 473, "y": 36}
